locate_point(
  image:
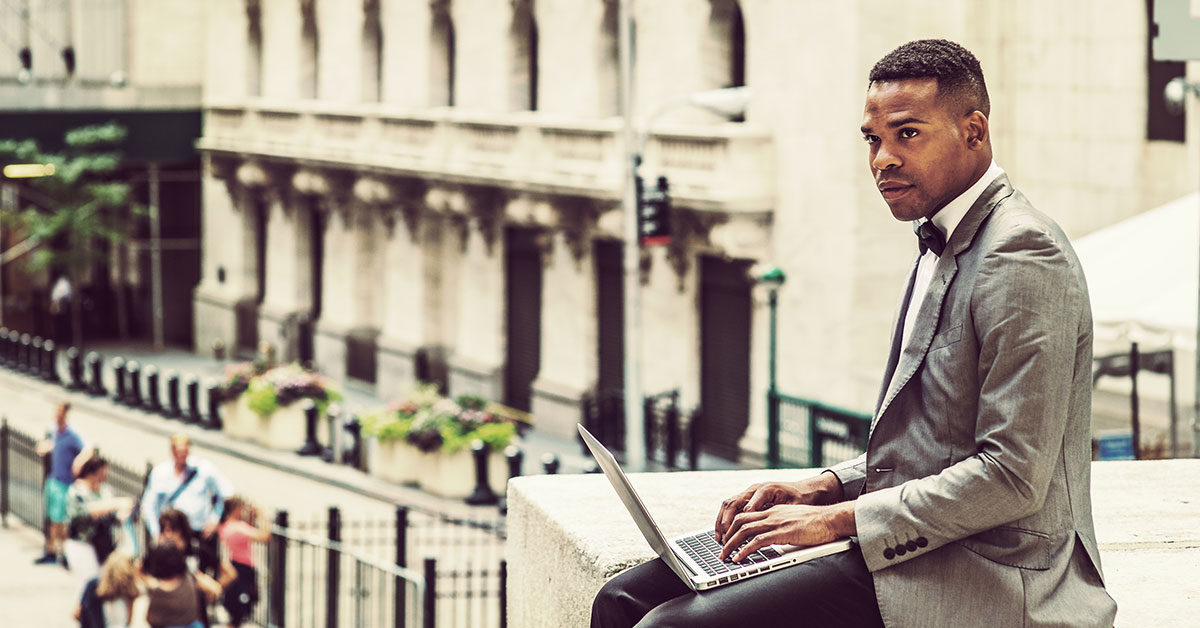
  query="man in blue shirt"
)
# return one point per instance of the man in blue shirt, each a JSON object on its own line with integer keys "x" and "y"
{"x": 67, "y": 453}
{"x": 196, "y": 488}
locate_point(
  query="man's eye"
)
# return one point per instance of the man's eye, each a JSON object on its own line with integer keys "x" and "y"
{"x": 870, "y": 139}
{"x": 908, "y": 134}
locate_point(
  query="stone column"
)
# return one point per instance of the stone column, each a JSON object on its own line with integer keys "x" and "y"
{"x": 568, "y": 360}
{"x": 288, "y": 294}
{"x": 228, "y": 265}
{"x": 337, "y": 287}
{"x": 476, "y": 364}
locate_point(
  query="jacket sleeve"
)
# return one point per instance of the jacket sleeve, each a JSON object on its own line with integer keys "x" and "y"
{"x": 1026, "y": 305}
{"x": 852, "y": 474}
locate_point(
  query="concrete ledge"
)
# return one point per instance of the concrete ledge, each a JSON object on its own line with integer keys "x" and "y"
{"x": 569, "y": 534}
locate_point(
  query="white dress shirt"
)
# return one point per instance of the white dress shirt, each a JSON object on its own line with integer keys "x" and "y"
{"x": 947, "y": 220}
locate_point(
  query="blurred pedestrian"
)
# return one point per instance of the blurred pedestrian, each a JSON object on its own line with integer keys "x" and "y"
{"x": 108, "y": 599}
{"x": 67, "y": 453}
{"x": 196, "y": 488}
{"x": 238, "y": 532}
{"x": 93, "y": 513}
{"x": 176, "y": 597}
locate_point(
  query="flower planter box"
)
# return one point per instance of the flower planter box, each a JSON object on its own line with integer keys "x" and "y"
{"x": 238, "y": 420}
{"x": 396, "y": 461}
{"x": 453, "y": 475}
{"x": 285, "y": 428}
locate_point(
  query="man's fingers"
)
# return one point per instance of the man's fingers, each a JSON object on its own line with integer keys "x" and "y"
{"x": 756, "y": 542}
{"x": 729, "y": 509}
{"x": 742, "y": 528}
{"x": 761, "y": 500}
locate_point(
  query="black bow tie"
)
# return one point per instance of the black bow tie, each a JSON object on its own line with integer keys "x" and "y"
{"x": 929, "y": 237}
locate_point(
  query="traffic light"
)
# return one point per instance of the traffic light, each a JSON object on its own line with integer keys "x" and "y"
{"x": 654, "y": 214}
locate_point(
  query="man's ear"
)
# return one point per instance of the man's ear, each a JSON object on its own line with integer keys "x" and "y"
{"x": 975, "y": 130}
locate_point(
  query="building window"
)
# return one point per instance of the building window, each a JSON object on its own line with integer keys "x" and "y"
{"x": 441, "y": 71}
{"x": 309, "y": 46}
{"x": 372, "y": 57}
{"x": 523, "y": 41}
{"x": 1160, "y": 123}
{"x": 254, "y": 40}
{"x": 725, "y": 50}
{"x": 610, "y": 62}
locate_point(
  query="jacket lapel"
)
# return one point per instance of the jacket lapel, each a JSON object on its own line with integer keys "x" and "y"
{"x": 929, "y": 314}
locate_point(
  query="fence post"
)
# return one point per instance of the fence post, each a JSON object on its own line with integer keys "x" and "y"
{"x": 773, "y": 429}
{"x": 278, "y": 580}
{"x": 333, "y": 569}
{"x": 214, "y": 407}
{"x": 550, "y": 463}
{"x": 35, "y": 356}
{"x": 430, "y": 615}
{"x": 483, "y": 494}
{"x": 1135, "y": 423}
{"x": 4, "y": 346}
{"x": 401, "y": 561}
{"x": 75, "y": 369}
{"x": 172, "y": 395}
{"x": 515, "y": 457}
{"x": 4, "y": 439}
{"x": 153, "y": 404}
{"x": 503, "y": 593}
{"x": 816, "y": 443}
{"x": 193, "y": 398}
{"x": 50, "y": 362}
{"x": 311, "y": 446}
{"x": 118, "y": 368}
{"x": 354, "y": 427}
{"x": 671, "y": 418}
{"x": 96, "y": 365}
{"x": 133, "y": 369}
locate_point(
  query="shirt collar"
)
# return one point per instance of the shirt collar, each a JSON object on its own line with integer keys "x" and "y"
{"x": 948, "y": 217}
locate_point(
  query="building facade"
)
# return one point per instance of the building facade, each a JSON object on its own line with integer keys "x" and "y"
{"x": 65, "y": 64}
{"x": 430, "y": 189}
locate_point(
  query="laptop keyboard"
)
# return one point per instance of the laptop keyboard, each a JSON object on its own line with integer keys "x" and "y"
{"x": 706, "y": 551}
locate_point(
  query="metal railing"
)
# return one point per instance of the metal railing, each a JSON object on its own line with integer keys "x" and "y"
{"x": 670, "y": 432}
{"x": 814, "y": 434}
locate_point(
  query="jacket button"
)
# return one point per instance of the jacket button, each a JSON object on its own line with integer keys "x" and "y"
{"x": 889, "y": 553}
{"x": 911, "y": 545}
{"x": 922, "y": 541}
{"x": 901, "y": 550}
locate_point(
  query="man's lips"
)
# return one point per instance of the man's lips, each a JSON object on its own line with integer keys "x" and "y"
{"x": 892, "y": 190}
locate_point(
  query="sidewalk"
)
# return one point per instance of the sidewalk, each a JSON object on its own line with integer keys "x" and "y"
{"x": 32, "y": 596}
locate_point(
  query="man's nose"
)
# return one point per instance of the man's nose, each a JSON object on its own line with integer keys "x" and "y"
{"x": 885, "y": 159}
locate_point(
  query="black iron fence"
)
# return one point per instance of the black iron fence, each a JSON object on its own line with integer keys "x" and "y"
{"x": 671, "y": 434}
{"x": 802, "y": 432}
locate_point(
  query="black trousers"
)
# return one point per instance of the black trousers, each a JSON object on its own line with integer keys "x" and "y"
{"x": 834, "y": 590}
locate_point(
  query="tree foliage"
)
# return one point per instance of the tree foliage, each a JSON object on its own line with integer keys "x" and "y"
{"x": 67, "y": 214}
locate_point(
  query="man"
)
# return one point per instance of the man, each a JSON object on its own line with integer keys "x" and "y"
{"x": 194, "y": 487}
{"x": 67, "y": 453}
{"x": 971, "y": 506}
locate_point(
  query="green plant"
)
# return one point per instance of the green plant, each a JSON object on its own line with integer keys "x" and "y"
{"x": 261, "y": 398}
{"x": 387, "y": 426}
{"x": 431, "y": 422}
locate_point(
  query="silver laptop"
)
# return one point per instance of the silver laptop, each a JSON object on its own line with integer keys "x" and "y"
{"x": 695, "y": 557}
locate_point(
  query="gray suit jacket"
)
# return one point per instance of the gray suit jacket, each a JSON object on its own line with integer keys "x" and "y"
{"x": 973, "y": 498}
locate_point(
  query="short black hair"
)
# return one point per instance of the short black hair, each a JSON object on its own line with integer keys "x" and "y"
{"x": 957, "y": 71}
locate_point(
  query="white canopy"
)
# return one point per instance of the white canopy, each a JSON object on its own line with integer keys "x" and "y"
{"x": 1144, "y": 276}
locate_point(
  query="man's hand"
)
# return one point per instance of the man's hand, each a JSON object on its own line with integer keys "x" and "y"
{"x": 793, "y": 524}
{"x": 210, "y": 529}
{"x": 43, "y": 447}
{"x": 824, "y": 488}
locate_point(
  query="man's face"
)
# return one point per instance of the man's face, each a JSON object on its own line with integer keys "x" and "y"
{"x": 180, "y": 454}
{"x": 917, "y": 147}
{"x": 60, "y": 417}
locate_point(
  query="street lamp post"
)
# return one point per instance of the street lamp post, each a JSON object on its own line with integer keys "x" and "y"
{"x": 727, "y": 102}
{"x": 772, "y": 278}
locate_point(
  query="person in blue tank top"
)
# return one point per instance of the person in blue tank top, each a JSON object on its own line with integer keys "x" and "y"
{"x": 67, "y": 452}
